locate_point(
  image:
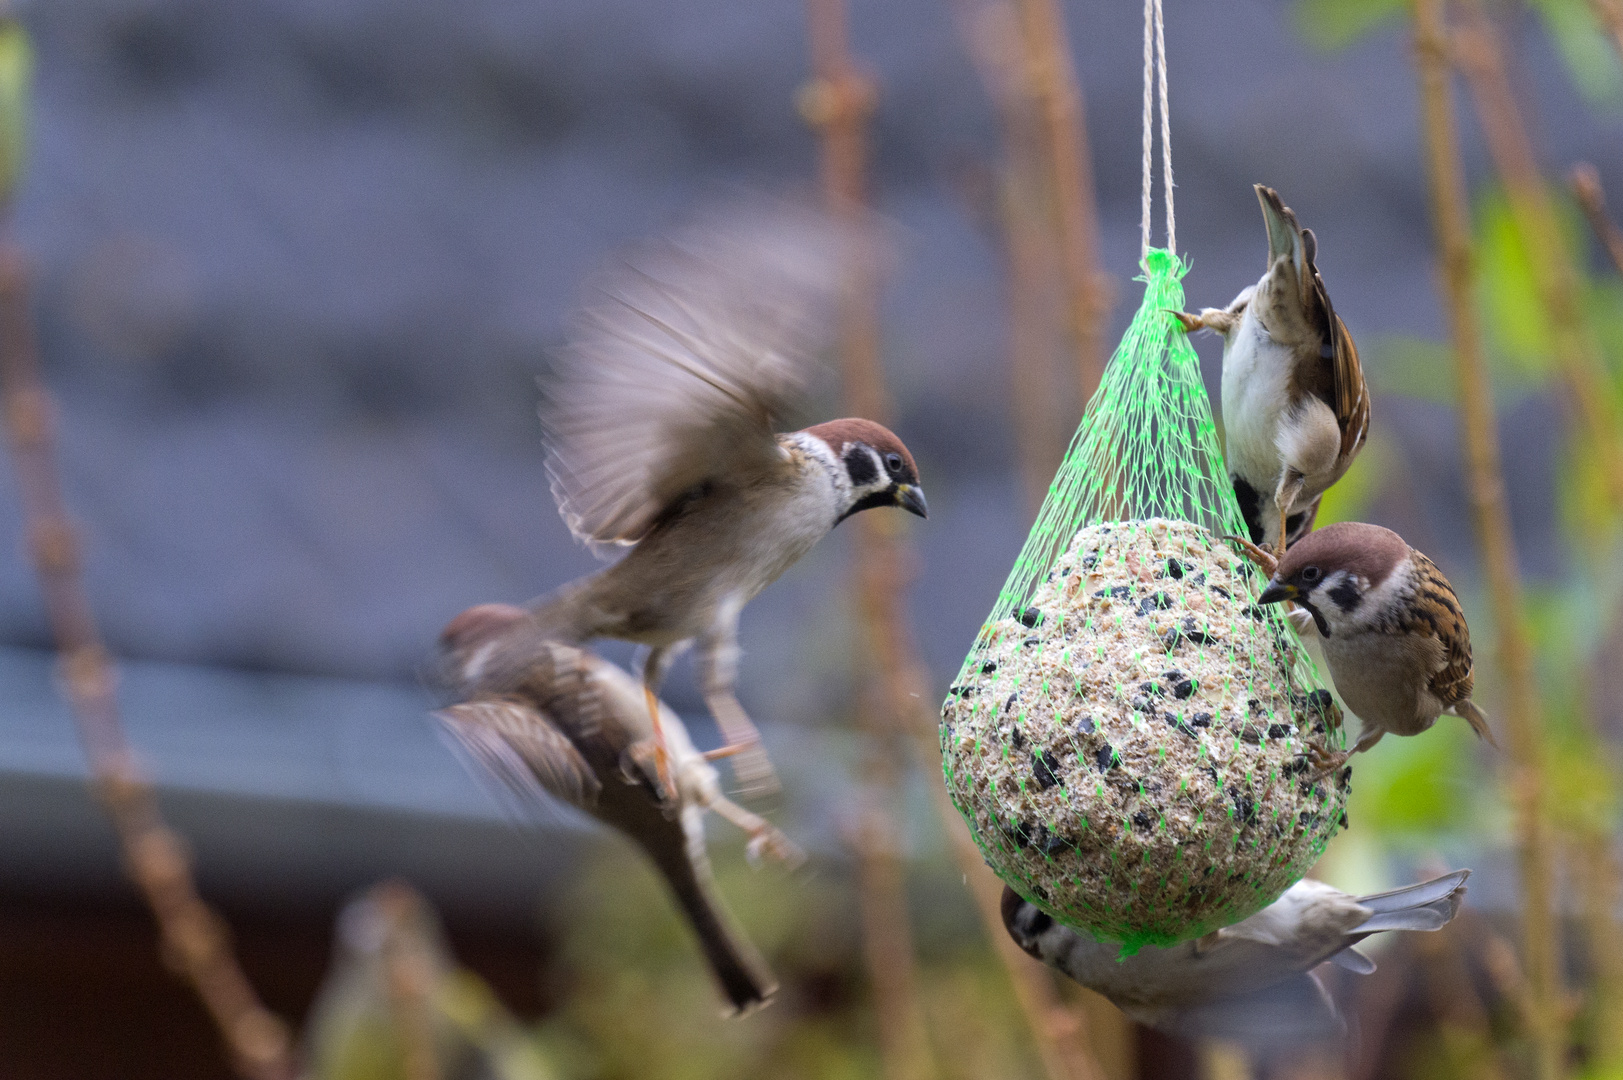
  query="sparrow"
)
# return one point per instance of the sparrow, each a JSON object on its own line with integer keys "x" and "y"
{"x": 396, "y": 1003}
{"x": 1295, "y": 408}
{"x": 1388, "y": 624}
{"x": 1253, "y": 980}
{"x": 575, "y": 728}
{"x": 660, "y": 437}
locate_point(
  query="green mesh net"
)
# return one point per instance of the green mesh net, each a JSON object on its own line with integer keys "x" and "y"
{"x": 1137, "y": 746}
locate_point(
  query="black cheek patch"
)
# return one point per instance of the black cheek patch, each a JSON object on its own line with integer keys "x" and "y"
{"x": 1346, "y": 596}
{"x": 1318, "y": 617}
{"x": 859, "y": 465}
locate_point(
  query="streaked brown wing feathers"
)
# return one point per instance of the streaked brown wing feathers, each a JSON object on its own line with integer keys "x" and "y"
{"x": 519, "y": 747}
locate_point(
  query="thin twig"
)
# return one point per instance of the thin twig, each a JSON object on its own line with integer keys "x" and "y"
{"x": 195, "y": 939}
{"x": 1479, "y": 54}
{"x": 1598, "y": 876}
{"x": 1585, "y": 181}
{"x": 1053, "y": 77}
{"x": 1523, "y": 715}
{"x": 838, "y": 103}
{"x": 1610, "y": 15}
{"x": 991, "y": 33}
{"x": 410, "y": 977}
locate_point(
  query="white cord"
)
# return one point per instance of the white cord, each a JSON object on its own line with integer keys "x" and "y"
{"x": 1149, "y": 63}
{"x": 1155, "y": 67}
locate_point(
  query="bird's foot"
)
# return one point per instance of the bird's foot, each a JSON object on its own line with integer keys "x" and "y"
{"x": 765, "y": 839}
{"x": 1190, "y": 323}
{"x": 1326, "y": 761}
{"x": 1264, "y": 558}
{"x": 662, "y": 757}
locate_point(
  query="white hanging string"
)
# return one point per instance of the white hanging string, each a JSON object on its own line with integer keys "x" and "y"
{"x": 1155, "y": 68}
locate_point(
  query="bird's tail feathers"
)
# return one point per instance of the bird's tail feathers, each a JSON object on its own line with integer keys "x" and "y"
{"x": 1478, "y": 721}
{"x": 1429, "y": 905}
{"x": 1285, "y": 234}
{"x": 738, "y": 967}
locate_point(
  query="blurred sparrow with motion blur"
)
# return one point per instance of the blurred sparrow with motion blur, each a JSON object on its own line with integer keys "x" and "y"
{"x": 660, "y": 429}
{"x": 575, "y": 728}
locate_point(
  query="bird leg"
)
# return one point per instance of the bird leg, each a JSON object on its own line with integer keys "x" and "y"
{"x": 751, "y": 766}
{"x": 1290, "y": 486}
{"x": 653, "y": 670}
{"x": 1259, "y": 555}
{"x": 1327, "y": 761}
{"x": 718, "y": 661}
{"x": 764, "y": 837}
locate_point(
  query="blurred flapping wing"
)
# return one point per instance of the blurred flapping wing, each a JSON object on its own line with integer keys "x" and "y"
{"x": 683, "y": 365}
{"x": 520, "y": 749}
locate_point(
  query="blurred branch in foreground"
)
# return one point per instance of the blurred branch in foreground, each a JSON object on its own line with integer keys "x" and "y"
{"x": 1523, "y": 715}
{"x": 1477, "y": 50}
{"x": 396, "y": 1004}
{"x": 1585, "y": 180}
{"x": 1065, "y": 142}
{"x": 1015, "y": 202}
{"x": 1598, "y": 876}
{"x": 195, "y": 939}
{"x": 838, "y": 103}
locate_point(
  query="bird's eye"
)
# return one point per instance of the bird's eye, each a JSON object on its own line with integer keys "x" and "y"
{"x": 893, "y": 462}
{"x": 1310, "y": 574}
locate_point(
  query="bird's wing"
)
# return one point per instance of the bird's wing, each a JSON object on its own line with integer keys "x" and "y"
{"x": 1287, "y": 1013}
{"x": 520, "y": 749}
{"x": 1338, "y": 379}
{"x": 684, "y": 365}
{"x": 1438, "y": 608}
{"x": 1348, "y": 397}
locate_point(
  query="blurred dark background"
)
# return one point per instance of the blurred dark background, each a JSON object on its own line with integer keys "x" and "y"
{"x": 298, "y": 265}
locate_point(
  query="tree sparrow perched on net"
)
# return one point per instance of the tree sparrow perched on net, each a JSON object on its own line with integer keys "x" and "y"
{"x": 574, "y": 727}
{"x": 1391, "y": 629}
{"x": 1295, "y": 409}
{"x": 659, "y": 428}
{"x": 1251, "y": 981}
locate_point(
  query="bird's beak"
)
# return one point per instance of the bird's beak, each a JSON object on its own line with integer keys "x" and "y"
{"x": 910, "y": 497}
{"x": 1277, "y": 591}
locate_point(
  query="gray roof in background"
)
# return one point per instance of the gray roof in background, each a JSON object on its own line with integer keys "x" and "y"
{"x": 300, "y": 261}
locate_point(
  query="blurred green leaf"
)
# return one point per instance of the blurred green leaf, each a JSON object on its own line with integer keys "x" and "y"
{"x": 16, "y": 74}
{"x": 1507, "y": 293}
{"x": 1413, "y": 368}
{"x": 1418, "y": 785}
{"x": 1335, "y": 24}
{"x": 1590, "y": 59}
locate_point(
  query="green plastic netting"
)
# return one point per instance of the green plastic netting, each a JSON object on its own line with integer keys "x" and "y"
{"x": 1131, "y": 738}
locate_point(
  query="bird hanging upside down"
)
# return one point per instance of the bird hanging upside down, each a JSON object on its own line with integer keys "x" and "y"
{"x": 1252, "y": 981}
{"x": 1295, "y": 408}
{"x": 660, "y": 436}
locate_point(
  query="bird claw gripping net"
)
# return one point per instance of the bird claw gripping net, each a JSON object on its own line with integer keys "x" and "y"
{"x": 1138, "y": 748}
